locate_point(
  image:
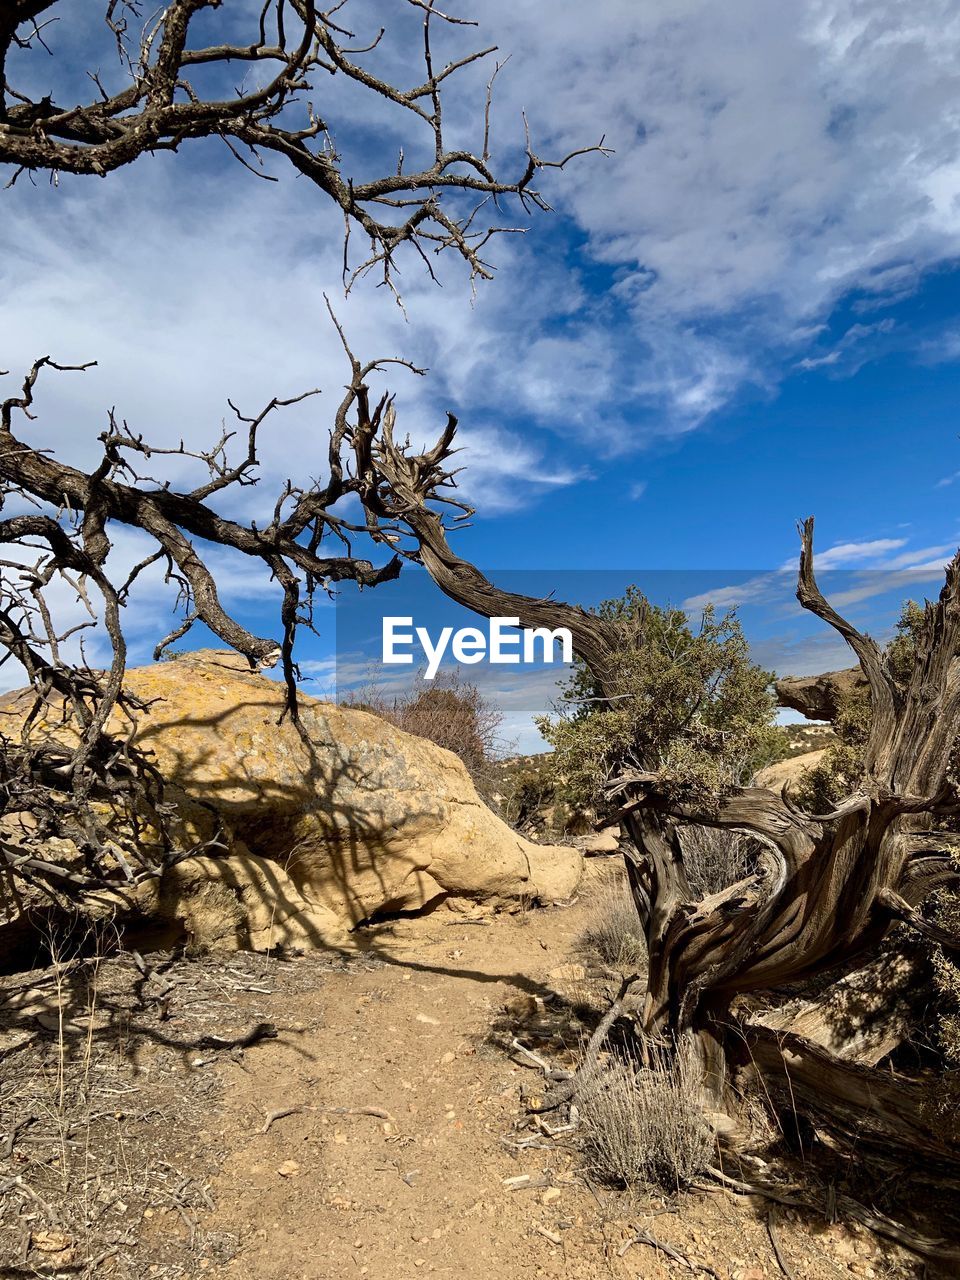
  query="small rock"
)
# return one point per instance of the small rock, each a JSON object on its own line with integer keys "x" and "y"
{"x": 605, "y": 841}
{"x": 289, "y": 1169}
{"x": 551, "y": 1195}
{"x": 448, "y": 1057}
{"x": 51, "y": 1241}
{"x": 425, "y": 1017}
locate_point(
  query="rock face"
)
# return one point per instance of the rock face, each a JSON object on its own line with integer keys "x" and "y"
{"x": 818, "y": 697}
{"x": 326, "y": 826}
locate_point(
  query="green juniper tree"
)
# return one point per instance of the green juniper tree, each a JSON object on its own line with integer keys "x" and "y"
{"x": 685, "y": 701}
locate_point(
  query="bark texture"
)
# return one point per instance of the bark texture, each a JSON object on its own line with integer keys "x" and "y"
{"x": 827, "y": 888}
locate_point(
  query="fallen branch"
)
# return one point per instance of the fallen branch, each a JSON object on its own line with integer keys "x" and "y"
{"x": 6, "y": 1147}
{"x": 282, "y": 1112}
{"x": 552, "y": 1073}
{"x": 569, "y": 1088}
{"x": 150, "y": 973}
{"x": 644, "y": 1237}
{"x": 937, "y": 1248}
{"x": 777, "y": 1251}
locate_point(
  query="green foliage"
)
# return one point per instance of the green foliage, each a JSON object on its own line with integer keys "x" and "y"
{"x": 902, "y": 649}
{"x": 839, "y": 770}
{"x": 526, "y": 792}
{"x": 684, "y": 701}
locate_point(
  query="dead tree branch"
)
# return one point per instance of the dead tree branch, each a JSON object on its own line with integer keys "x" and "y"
{"x": 168, "y": 89}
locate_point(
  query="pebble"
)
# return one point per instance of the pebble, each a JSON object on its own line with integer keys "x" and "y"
{"x": 289, "y": 1169}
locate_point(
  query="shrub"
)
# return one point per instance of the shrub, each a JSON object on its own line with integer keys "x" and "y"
{"x": 645, "y": 1124}
{"x": 713, "y": 858}
{"x": 526, "y": 793}
{"x": 448, "y": 711}
{"x": 683, "y": 700}
{"x": 613, "y": 930}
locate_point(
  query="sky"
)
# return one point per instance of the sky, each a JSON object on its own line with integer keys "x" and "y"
{"x": 747, "y": 314}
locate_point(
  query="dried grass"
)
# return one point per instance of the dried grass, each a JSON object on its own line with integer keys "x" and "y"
{"x": 646, "y": 1124}
{"x": 447, "y": 710}
{"x": 100, "y": 1103}
{"x": 613, "y": 930}
{"x": 714, "y": 858}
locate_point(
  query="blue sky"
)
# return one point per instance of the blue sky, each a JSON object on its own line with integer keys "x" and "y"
{"x": 748, "y": 314}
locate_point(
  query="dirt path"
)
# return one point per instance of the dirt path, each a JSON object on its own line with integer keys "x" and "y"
{"x": 323, "y": 1195}
{"x": 419, "y": 1193}
{"x": 136, "y": 1096}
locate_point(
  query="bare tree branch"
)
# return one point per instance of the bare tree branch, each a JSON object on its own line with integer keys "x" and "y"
{"x": 161, "y": 104}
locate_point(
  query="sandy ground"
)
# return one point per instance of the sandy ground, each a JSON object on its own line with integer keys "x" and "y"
{"x": 317, "y": 1118}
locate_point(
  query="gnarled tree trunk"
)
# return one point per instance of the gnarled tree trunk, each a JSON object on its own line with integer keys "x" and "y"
{"x": 827, "y": 888}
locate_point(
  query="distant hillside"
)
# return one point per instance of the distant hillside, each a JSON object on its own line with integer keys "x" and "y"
{"x": 806, "y": 737}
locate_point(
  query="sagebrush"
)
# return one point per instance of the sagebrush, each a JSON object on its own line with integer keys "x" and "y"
{"x": 645, "y": 1123}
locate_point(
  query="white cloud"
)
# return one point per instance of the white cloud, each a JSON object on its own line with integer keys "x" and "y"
{"x": 768, "y": 159}
{"x": 852, "y": 350}
{"x": 876, "y": 584}
{"x": 750, "y": 591}
{"x": 845, "y": 554}
{"x": 885, "y": 573}
{"x": 923, "y": 558}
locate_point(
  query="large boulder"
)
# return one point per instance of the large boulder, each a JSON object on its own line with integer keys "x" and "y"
{"x": 326, "y": 824}
{"x": 819, "y": 697}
